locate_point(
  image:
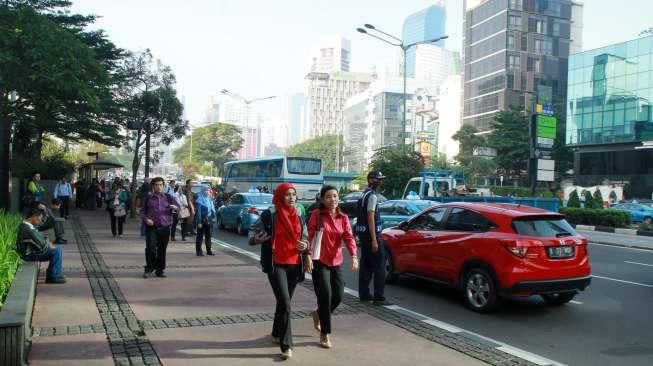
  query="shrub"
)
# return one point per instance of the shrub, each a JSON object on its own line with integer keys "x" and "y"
{"x": 588, "y": 200}
{"x": 9, "y": 258}
{"x": 574, "y": 200}
{"x": 598, "y": 199}
{"x": 612, "y": 197}
{"x": 596, "y": 217}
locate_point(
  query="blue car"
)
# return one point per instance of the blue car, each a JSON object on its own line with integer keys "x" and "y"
{"x": 395, "y": 211}
{"x": 242, "y": 210}
{"x": 638, "y": 212}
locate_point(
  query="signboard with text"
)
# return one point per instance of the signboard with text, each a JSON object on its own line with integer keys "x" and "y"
{"x": 546, "y": 126}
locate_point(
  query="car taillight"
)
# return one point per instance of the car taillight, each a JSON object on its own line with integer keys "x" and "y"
{"x": 253, "y": 210}
{"x": 520, "y": 247}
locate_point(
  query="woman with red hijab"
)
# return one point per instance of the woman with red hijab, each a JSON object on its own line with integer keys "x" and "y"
{"x": 282, "y": 234}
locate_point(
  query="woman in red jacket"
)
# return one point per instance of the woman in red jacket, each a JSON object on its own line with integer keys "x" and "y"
{"x": 282, "y": 234}
{"x": 334, "y": 227}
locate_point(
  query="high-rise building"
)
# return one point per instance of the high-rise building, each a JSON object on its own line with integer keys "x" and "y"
{"x": 426, "y": 24}
{"x": 295, "y": 118}
{"x": 610, "y": 116}
{"x": 333, "y": 54}
{"x": 224, "y": 109}
{"x": 326, "y": 96}
{"x": 514, "y": 52}
{"x": 432, "y": 63}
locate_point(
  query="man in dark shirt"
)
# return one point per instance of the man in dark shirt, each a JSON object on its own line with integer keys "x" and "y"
{"x": 156, "y": 215}
{"x": 33, "y": 247}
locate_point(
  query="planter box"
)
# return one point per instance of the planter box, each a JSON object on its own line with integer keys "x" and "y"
{"x": 16, "y": 316}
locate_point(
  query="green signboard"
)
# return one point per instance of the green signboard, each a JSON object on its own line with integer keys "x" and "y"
{"x": 546, "y": 126}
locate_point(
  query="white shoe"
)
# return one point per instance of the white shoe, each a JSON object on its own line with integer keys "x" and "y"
{"x": 286, "y": 354}
{"x": 325, "y": 342}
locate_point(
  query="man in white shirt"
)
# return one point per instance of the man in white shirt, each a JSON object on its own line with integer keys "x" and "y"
{"x": 63, "y": 191}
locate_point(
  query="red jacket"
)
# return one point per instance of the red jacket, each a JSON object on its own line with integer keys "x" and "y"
{"x": 335, "y": 230}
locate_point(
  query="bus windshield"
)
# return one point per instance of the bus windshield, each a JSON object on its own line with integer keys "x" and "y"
{"x": 306, "y": 166}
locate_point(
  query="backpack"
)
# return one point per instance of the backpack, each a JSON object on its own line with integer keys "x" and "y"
{"x": 146, "y": 201}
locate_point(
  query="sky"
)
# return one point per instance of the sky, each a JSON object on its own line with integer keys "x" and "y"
{"x": 258, "y": 48}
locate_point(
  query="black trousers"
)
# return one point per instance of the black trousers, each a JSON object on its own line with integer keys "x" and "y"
{"x": 284, "y": 280}
{"x": 173, "y": 228}
{"x": 156, "y": 244}
{"x": 371, "y": 267}
{"x": 64, "y": 210}
{"x": 116, "y": 221}
{"x": 203, "y": 233}
{"x": 329, "y": 290}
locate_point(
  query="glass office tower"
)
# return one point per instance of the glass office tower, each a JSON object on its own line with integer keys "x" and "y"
{"x": 421, "y": 26}
{"x": 609, "y": 120}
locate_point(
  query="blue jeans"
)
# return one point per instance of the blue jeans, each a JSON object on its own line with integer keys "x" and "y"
{"x": 371, "y": 266}
{"x": 55, "y": 258}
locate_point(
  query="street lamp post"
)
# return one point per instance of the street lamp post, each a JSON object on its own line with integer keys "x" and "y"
{"x": 404, "y": 48}
{"x": 248, "y": 103}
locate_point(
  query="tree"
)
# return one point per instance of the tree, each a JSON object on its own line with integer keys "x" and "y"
{"x": 149, "y": 102}
{"x": 217, "y": 143}
{"x": 469, "y": 140}
{"x": 398, "y": 164}
{"x": 479, "y": 167}
{"x": 588, "y": 200}
{"x": 439, "y": 161}
{"x": 574, "y": 200}
{"x": 597, "y": 198}
{"x": 511, "y": 140}
{"x": 322, "y": 147}
{"x": 61, "y": 75}
{"x": 561, "y": 153}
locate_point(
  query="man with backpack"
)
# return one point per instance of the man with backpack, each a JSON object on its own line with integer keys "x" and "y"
{"x": 156, "y": 214}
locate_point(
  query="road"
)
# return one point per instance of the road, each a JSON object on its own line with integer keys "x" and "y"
{"x": 608, "y": 324}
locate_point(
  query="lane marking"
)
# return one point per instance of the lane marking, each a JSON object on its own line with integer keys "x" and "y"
{"x": 641, "y": 264}
{"x": 623, "y": 281}
{"x": 576, "y": 302}
{"x": 517, "y": 352}
{"x": 621, "y": 247}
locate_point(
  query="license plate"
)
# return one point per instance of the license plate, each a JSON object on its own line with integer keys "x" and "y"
{"x": 561, "y": 252}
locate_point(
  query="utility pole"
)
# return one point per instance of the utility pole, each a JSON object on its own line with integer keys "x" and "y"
{"x": 5, "y": 156}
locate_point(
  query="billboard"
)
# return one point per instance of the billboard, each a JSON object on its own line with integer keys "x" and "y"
{"x": 546, "y": 126}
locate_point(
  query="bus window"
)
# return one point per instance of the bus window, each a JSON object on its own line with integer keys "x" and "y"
{"x": 306, "y": 166}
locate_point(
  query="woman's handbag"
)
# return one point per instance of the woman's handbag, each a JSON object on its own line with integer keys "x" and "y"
{"x": 184, "y": 212}
{"x": 120, "y": 210}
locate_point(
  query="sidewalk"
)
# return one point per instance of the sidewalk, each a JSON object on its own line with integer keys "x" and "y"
{"x": 210, "y": 310}
{"x": 618, "y": 240}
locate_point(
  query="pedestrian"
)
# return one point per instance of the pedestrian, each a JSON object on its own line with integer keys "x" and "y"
{"x": 191, "y": 204}
{"x": 182, "y": 216}
{"x": 170, "y": 188}
{"x": 34, "y": 191}
{"x": 91, "y": 194}
{"x": 117, "y": 199}
{"x": 156, "y": 214}
{"x": 80, "y": 191}
{"x": 204, "y": 217}
{"x": 63, "y": 191}
{"x": 368, "y": 230}
{"x": 34, "y": 247}
{"x": 328, "y": 227}
{"x": 143, "y": 192}
{"x": 280, "y": 230}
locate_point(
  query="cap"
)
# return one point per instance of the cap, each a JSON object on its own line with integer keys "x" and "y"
{"x": 375, "y": 174}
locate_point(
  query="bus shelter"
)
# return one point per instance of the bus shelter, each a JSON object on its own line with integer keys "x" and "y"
{"x": 87, "y": 171}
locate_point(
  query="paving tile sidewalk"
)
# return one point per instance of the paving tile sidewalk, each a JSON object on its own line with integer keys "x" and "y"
{"x": 209, "y": 310}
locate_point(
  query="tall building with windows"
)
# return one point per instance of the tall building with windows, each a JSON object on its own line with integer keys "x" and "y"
{"x": 295, "y": 118}
{"x": 428, "y": 23}
{"x": 515, "y": 50}
{"x": 333, "y": 54}
{"x": 610, "y": 116}
{"x": 326, "y": 96}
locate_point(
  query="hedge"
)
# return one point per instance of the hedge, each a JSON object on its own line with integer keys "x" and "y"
{"x": 9, "y": 258}
{"x": 596, "y": 217}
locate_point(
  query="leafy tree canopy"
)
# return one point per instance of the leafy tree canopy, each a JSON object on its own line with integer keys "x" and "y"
{"x": 322, "y": 147}
{"x": 217, "y": 143}
{"x": 469, "y": 140}
{"x": 510, "y": 138}
{"x": 398, "y": 165}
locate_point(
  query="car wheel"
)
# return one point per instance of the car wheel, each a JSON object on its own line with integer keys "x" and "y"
{"x": 390, "y": 275}
{"x": 648, "y": 220}
{"x": 558, "y": 298}
{"x": 480, "y": 291}
{"x": 220, "y": 224}
{"x": 239, "y": 227}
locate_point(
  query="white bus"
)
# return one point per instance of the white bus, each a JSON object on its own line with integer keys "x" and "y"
{"x": 305, "y": 173}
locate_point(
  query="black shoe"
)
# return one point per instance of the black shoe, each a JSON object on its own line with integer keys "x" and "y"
{"x": 56, "y": 280}
{"x": 380, "y": 301}
{"x": 147, "y": 274}
{"x": 173, "y": 239}
{"x": 208, "y": 252}
{"x": 365, "y": 298}
{"x": 200, "y": 254}
{"x": 61, "y": 241}
{"x": 183, "y": 239}
{"x": 161, "y": 274}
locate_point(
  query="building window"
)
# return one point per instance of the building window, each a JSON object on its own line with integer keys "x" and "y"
{"x": 537, "y": 26}
{"x": 516, "y": 4}
{"x": 556, "y": 29}
{"x": 543, "y": 47}
{"x": 513, "y": 62}
{"x": 511, "y": 41}
{"x": 514, "y": 21}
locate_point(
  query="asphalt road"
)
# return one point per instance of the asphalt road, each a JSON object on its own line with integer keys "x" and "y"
{"x": 611, "y": 323}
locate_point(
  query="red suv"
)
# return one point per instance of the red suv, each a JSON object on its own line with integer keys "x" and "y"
{"x": 491, "y": 250}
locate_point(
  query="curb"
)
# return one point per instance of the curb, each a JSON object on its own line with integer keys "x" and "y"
{"x": 613, "y": 230}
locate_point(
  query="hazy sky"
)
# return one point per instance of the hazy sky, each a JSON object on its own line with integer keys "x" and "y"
{"x": 261, "y": 47}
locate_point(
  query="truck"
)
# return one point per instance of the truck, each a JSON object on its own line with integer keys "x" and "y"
{"x": 448, "y": 185}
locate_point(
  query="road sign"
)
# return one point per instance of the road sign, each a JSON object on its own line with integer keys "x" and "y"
{"x": 546, "y": 126}
{"x": 545, "y": 170}
{"x": 544, "y": 142}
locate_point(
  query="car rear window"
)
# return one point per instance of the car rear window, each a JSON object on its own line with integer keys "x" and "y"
{"x": 543, "y": 226}
{"x": 260, "y": 199}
